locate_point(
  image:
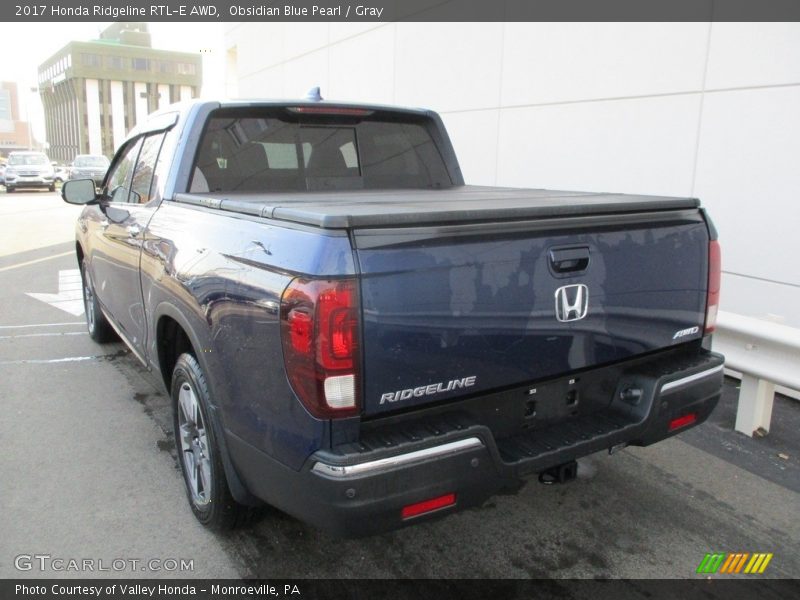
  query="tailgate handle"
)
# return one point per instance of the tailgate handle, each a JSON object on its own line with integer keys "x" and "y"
{"x": 569, "y": 260}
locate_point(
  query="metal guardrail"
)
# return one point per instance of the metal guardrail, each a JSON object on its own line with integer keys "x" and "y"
{"x": 765, "y": 354}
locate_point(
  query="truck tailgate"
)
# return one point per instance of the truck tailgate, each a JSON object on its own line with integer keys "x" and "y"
{"x": 453, "y": 310}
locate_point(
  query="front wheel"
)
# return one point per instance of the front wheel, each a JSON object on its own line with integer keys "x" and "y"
{"x": 198, "y": 451}
{"x": 9, "y": 190}
{"x": 96, "y": 323}
{"x": 52, "y": 188}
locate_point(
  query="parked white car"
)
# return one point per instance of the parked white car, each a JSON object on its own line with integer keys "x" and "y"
{"x": 29, "y": 170}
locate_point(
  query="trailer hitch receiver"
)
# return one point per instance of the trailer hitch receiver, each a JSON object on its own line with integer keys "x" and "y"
{"x": 559, "y": 474}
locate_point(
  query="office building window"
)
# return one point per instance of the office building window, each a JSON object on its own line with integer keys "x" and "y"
{"x": 141, "y": 64}
{"x": 115, "y": 62}
{"x": 187, "y": 69}
{"x": 90, "y": 60}
{"x": 5, "y": 105}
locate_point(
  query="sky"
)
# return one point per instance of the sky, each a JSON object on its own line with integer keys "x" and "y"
{"x": 23, "y": 46}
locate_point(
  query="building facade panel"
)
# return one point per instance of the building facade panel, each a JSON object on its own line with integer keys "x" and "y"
{"x": 373, "y": 52}
{"x": 748, "y": 158}
{"x": 93, "y": 125}
{"x": 564, "y": 62}
{"x": 140, "y": 101}
{"x": 474, "y": 135}
{"x": 262, "y": 47}
{"x": 118, "y": 108}
{"x": 455, "y": 66}
{"x": 164, "y": 99}
{"x": 307, "y": 71}
{"x": 753, "y": 54}
{"x": 628, "y": 145}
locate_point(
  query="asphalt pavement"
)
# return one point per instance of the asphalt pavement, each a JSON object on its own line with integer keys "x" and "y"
{"x": 88, "y": 471}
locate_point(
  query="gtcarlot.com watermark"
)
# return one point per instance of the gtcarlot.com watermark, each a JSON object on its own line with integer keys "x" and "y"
{"x": 46, "y": 563}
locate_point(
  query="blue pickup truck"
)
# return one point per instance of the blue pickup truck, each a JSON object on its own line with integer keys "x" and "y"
{"x": 351, "y": 334}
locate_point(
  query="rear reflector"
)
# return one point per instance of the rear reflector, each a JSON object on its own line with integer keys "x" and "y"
{"x": 683, "y": 421}
{"x": 714, "y": 283}
{"x": 426, "y": 506}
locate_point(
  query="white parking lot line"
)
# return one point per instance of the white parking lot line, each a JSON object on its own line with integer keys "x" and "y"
{"x": 30, "y": 335}
{"x": 39, "y": 361}
{"x": 37, "y": 260}
{"x": 29, "y": 325}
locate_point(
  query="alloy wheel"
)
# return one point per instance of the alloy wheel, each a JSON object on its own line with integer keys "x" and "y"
{"x": 194, "y": 445}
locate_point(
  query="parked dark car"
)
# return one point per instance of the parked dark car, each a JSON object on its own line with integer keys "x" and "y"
{"x": 89, "y": 166}
{"x": 29, "y": 170}
{"x": 351, "y": 334}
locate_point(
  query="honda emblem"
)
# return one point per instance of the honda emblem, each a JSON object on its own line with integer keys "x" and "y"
{"x": 572, "y": 302}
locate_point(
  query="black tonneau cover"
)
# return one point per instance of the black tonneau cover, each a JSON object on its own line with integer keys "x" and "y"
{"x": 345, "y": 209}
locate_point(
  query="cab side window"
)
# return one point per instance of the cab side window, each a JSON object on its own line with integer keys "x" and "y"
{"x": 143, "y": 175}
{"x": 119, "y": 180}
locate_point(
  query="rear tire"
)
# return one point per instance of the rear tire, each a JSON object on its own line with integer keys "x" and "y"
{"x": 9, "y": 190}
{"x": 52, "y": 188}
{"x": 198, "y": 450}
{"x": 96, "y": 323}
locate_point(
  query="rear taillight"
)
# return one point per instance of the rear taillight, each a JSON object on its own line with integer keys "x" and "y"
{"x": 714, "y": 282}
{"x": 320, "y": 336}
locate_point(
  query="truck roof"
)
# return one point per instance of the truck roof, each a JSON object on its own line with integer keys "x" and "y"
{"x": 460, "y": 204}
{"x": 318, "y": 103}
{"x": 168, "y": 115}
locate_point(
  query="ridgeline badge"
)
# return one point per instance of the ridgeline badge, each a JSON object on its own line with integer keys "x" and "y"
{"x": 428, "y": 390}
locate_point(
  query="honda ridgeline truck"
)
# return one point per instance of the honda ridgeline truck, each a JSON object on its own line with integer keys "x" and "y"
{"x": 351, "y": 334}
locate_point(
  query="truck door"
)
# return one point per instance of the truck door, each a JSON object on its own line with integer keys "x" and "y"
{"x": 119, "y": 237}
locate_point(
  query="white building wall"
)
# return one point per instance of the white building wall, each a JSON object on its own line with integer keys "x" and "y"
{"x": 163, "y": 95}
{"x": 93, "y": 117}
{"x": 118, "y": 112}
{"x": 140, "y": 101}
{"x": 231, "y": 72}
{"x": 689, "y": 109}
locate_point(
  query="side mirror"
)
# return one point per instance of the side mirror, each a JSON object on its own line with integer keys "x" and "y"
{"x": 79, "y": 191}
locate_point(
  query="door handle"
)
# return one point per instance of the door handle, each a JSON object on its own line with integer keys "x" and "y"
{"x": 134, "y": 230}
{"x": 569, "y": 260}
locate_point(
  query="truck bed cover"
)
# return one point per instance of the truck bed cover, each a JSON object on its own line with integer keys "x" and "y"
{"x": 346, "y": 209}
